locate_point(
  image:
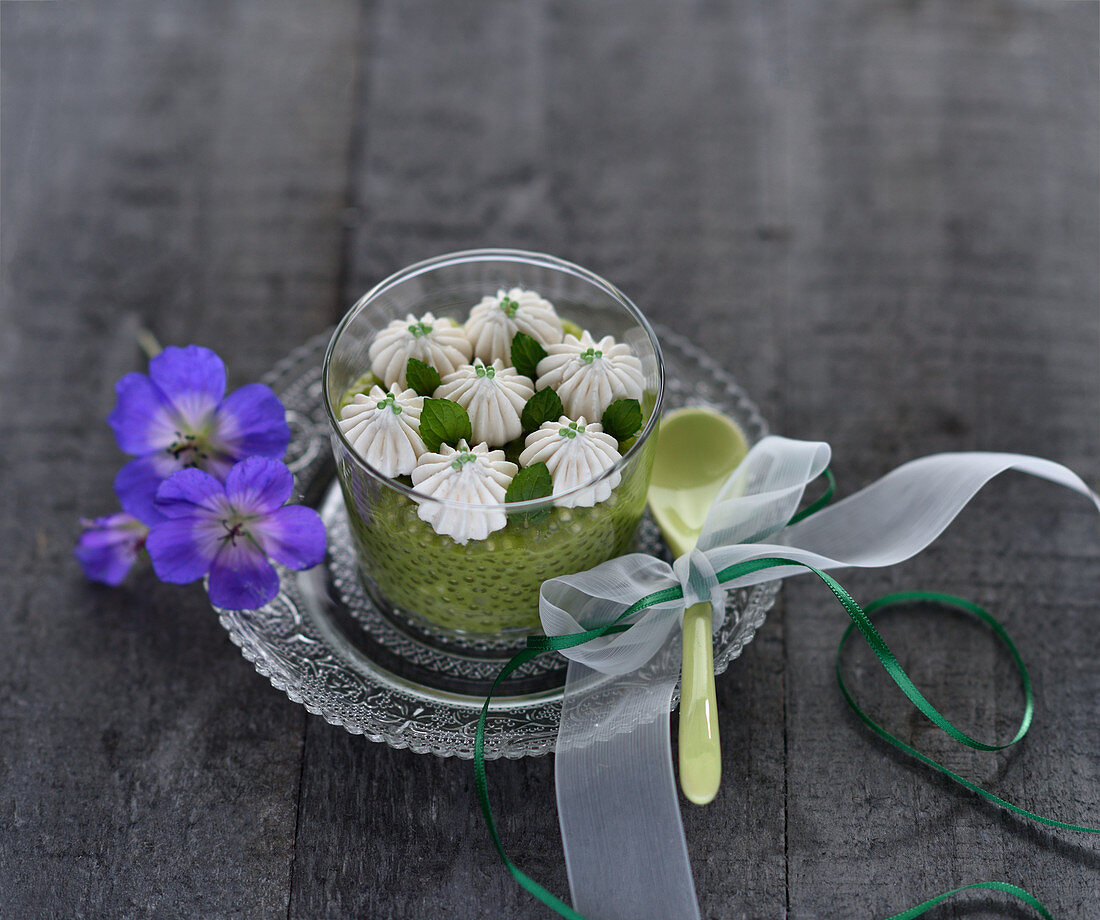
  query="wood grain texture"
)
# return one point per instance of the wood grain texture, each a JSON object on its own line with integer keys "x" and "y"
{"x": 179, "y": 167}
{"x": 943, "y": 296}
{"x": 451, "y": 156}
{"x": 880, "y": 216}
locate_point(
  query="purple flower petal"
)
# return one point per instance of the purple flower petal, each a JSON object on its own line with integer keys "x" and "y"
{"x": 217, "y": 465}
{"x": 252, "y": 422}
{"x": 137, "y": 482}
{"x": 293, "y": 536}
{"x": 190, "y": 493}
{"x": 108, "y": 565}
{"x": 109, "y": 546}
{"x": 193, "y": 378}
{"x": 258, "y": 485}
{"x": 183, "y": 549}
{"x": 143, "y": 419}
{"x": 241, "y": 578}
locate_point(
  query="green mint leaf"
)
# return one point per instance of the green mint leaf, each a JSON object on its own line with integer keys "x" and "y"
{"x": 526, "y": 354}
{"x": 622, "y": 419}
{"x": 443, "y": 422}
{"x": 422, "y": 377}
{"x": 530, "y": 483}
{"x": 544, "y": 406}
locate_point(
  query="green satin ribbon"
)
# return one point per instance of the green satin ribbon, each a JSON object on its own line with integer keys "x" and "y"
{"x": 826, "y": 497}
{"x": 1016, "y": 890}
{"x": 537, "y": 645}
{"x": 895, "y": 670}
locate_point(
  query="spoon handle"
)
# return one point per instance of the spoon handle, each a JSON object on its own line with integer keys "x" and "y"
{"x": 700, "y": 748}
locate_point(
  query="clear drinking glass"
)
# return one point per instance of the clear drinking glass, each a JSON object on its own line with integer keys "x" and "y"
{"x": 486, "y": 591}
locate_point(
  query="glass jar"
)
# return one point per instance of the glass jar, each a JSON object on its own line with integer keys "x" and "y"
{"x": 484, "y": 590}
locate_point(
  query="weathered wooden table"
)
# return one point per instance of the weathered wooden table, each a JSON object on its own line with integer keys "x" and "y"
{"x": 880, "y": 216}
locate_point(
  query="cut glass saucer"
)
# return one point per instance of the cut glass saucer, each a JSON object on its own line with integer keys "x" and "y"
{"x": 326, "y": 644}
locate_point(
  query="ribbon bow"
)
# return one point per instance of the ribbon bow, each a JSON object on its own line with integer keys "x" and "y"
{"x": 617, "y": 801}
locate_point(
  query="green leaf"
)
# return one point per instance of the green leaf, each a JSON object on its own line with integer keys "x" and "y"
{"x": 422, "y": 377}
{"x": 532, "y": 482}
{"x": 544, "y": 406}
{"x": 622, "y": 419}
{"x": 526, "y": 354}
{"x": 443, "y": 422}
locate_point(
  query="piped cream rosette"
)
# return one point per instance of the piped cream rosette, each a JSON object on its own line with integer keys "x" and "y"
{"x": 575, "y": 452}
{"x": 494, "y": 322}
{"x": 471, "y": 475}
{"x": 384, "y": 428}
{"x": 493, "y": 396}
{"x": 438, "y": 342}
{"x": 462, "y": 490}
{"x": 589, "y": 375}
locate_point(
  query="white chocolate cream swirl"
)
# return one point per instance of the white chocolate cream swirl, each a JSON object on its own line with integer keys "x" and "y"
{"x": 437, "y": 342}
{"x": 493, "y": 396}
{"x": 472, "y": 475}
{"x": 575, "y": 453}
{"x": 384, "y": 428}
{"x": 495, "y": 320}
{"x": 589, "y": 375}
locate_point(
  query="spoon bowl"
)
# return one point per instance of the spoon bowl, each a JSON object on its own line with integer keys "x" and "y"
{"x": 696, "y": 451}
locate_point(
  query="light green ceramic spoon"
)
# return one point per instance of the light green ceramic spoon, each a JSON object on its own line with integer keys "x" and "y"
{"x": 696, "y": 451}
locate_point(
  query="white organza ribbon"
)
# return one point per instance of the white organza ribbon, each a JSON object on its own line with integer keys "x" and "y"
{"x": 617, "y": 800}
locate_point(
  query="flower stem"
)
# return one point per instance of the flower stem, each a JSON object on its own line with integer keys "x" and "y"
{"x": 148, "y": 343}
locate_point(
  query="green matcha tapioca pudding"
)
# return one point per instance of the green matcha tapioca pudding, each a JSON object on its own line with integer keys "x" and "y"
{"x": 490, "y": 443}
{"x": 489, "y": 585}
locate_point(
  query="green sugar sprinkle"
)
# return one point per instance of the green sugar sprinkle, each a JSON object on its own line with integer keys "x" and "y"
{"x": 389, "y": 403}
{"x": 462, "y": 458}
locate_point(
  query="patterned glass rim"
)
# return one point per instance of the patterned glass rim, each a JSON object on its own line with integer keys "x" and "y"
{"x": 496, "y": 255}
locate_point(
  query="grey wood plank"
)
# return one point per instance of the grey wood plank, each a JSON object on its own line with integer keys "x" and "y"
{"x": 886, "y": 207}
{"x": 180, "y": 167}
{"x": 943, "y": 296}
{"x": 641, "y": 141}
{"x": 450, "y": 158}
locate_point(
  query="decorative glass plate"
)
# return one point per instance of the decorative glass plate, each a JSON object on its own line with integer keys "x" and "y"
{"x": 329, "y": 646}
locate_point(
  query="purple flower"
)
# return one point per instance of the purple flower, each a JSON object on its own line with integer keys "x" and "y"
{"x": 228, "y": 531}
{"x": 109, "y": 546}
{"x": 176, "y": 418}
